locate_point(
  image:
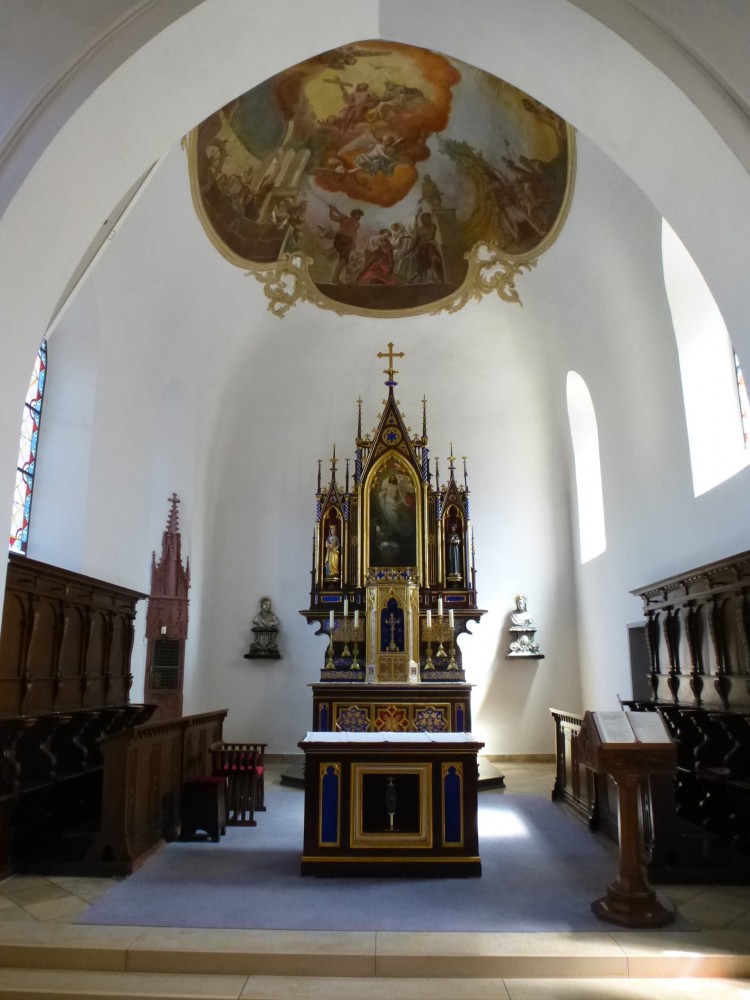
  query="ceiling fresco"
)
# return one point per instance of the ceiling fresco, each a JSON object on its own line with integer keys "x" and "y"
{"x": 382, "y": 179}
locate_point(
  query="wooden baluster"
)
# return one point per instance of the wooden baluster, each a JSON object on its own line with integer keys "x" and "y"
{"x": 672, "y": 636}
{"x": 693, "y": 629}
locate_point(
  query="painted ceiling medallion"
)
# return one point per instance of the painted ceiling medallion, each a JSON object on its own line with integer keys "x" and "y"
{"x": 382, "y": 179}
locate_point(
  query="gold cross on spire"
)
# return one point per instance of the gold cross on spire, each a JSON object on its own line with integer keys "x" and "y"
{"x": 390, "y": 371}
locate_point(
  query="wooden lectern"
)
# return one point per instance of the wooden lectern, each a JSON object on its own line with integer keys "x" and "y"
{"x": 629, "y": 746}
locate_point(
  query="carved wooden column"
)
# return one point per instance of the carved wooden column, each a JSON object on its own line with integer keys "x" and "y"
{"x": 716, "y": 630}
{"x": 672, "y": 636}
{"x": 694, "y": 635}
{"x": 712, "y": 604}
{"x": 652, "y": 644}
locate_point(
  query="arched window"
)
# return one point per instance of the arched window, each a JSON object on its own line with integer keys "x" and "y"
{"x": 743, "y": 400}
{"x": 32, "y": 415}
{"x": 712, "y": 383}
{"x": 585, "y": 437}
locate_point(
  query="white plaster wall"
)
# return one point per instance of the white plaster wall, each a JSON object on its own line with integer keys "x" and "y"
{"x": 600, "y": 289}
{"x": 633, "y": 112}
{"x": 200, "y": 390}
{"x": 595, "y": 304}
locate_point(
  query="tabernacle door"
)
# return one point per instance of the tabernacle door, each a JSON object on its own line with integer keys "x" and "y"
{"x": 393, "y": 611}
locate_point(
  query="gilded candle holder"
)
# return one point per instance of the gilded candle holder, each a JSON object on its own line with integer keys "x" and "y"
{"x": 346, "y": 631}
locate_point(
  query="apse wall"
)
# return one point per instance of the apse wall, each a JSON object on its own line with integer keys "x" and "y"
{"x": 167, "y": 311}
{"x": 548, "y": 46}
{"x": 193, "y": 387}
{"x": 199, "y": 390}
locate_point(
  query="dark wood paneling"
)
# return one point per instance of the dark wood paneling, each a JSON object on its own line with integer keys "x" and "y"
{"x": 66, "y": 640}
{"x": 144, "y": 769}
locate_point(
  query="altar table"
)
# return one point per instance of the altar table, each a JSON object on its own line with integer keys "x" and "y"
{"x": 390, "y": 804}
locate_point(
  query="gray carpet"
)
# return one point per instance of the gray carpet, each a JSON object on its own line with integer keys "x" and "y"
{"x": 541, "y": 870}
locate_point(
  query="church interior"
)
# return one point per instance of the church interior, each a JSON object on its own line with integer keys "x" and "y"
{"x": 550, "y": 317}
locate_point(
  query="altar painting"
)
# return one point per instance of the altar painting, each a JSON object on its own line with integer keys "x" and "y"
{"x": 393, "y": 516}
{"x": 381, "y": 170}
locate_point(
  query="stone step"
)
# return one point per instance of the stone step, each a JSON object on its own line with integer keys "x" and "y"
{"x": 54, "y": 984}
{"x": 358, "y": 956}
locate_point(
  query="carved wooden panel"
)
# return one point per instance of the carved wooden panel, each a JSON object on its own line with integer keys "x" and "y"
{"x": 698, "y": 630}
{"x": 65, "y": 642}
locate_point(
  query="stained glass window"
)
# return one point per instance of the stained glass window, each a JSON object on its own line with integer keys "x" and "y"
{"x": 32, "y": 415}
{"x": 744, "y": 401}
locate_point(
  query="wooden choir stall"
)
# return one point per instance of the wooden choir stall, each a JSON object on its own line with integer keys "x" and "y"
{"x": 88, "y": 784}
{"x": 393, "y": 586}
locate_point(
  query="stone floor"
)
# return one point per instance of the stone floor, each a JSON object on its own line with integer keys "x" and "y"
{"x": 45, "y": 954}
{"x": 62, "y": 899}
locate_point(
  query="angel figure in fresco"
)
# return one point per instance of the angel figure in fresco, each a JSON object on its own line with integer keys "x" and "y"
{"x": 333, "y": 551}
{"x": 379, "y": 157}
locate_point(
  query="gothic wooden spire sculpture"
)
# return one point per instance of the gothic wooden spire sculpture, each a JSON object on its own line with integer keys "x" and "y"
{"x": 167, "y": 620}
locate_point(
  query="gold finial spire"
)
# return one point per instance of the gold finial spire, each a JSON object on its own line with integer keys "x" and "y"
{"x": 390, "y": 371}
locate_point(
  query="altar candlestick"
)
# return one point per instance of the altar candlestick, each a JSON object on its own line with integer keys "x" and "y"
{"x": 346, "y": 607}
{"x": 330, "y": 620}
{"x": 450, "y": 617}
{"x": 429, "y": 619}
{"x": 356, "y": 619}
{"x": 440, "y": 607}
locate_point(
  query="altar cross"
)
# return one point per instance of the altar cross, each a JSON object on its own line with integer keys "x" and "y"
{"x": 391, "y": 354}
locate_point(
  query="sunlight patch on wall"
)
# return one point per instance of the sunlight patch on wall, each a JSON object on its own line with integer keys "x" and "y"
{"x": 585, "y": 438}
{"x": 707, "y": 369}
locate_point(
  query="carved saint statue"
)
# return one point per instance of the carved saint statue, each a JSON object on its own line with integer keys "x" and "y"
{"x": 265, "y": 630}
{"x": 521, "y": 620}
{"x": 333, "y": 550}
{"x": 523, "y": 629}
{"x": 265, "y": 617}
{"x": 454, "y": 554}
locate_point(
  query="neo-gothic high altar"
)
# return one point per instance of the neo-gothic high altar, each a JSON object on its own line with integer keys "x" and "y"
{"x": 393, "y": 582}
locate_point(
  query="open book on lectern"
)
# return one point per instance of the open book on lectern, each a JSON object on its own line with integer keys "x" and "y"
{"x": 631, "y": 727}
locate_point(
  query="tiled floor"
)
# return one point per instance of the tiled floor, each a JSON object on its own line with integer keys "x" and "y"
{"x": 62, "y": 899}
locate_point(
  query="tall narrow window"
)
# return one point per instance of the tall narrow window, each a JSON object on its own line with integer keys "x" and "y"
{"x": 743, "y": 400}
{"x": 709, "y": 370}
{"x": 32, "y": 415}
{"x": 584, "y": 435}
